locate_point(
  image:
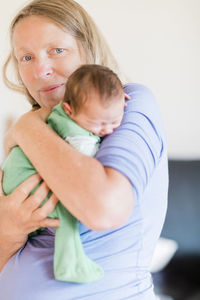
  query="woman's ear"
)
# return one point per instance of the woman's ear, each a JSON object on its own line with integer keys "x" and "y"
{"x": 67, "y": 108}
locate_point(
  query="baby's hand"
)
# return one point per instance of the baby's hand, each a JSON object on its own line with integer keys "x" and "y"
{"x": 126, "y": 96}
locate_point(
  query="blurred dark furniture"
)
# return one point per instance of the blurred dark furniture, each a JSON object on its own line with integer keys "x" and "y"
{"x": 180, "y": 279}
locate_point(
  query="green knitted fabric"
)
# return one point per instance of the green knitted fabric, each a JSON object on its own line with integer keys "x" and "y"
{"x": 70, "y": 261}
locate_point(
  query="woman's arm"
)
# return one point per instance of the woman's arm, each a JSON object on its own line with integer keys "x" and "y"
{"x": 20, "y": 215}
{"x": 99, "y": 197}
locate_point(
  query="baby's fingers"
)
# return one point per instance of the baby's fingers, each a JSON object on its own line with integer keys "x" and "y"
{"x": 127, "y": 96}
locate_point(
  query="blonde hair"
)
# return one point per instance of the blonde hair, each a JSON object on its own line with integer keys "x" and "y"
{"x": 92, "y": 78}
{"x": 71, "y": 17}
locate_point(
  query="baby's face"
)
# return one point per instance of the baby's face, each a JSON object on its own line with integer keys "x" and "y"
{"x": 99, "y": 119}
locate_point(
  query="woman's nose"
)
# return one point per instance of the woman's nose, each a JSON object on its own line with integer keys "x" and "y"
{"x": 43, "y": 69}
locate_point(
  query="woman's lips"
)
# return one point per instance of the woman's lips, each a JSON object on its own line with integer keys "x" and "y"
{"x": 51, "y": 88}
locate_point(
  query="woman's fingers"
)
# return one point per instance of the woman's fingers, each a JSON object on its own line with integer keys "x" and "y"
{"x": 1, "y": 189}
{"x": 29, "y": 214}
{"x": 39, "y": 215}
{"x": 42, "y": 213}
{"x": 35, "y": 200}
{"x": 24, "y": 189}
{"x": 48, "y": 207}
{"x": 21, "y": 213}
{"x": 48, "y": 222}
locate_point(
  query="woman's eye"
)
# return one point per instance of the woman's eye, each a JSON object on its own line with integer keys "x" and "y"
{"x": 59, "y": 50}
{"x": 27, "y": 58}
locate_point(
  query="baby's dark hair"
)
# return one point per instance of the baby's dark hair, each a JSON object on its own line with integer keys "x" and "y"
{"x": 92, "y": 78}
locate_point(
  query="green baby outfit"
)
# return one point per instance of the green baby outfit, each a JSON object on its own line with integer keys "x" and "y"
{"x": 70, "y": 261}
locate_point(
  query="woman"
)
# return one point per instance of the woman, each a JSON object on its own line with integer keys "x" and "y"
{"x": 119, "y": 197}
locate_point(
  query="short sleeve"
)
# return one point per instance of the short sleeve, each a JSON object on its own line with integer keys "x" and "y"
{"x": 136, "y": 147}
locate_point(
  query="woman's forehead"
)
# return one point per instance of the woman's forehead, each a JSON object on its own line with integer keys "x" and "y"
{"x": 33, "y": 21}
{"x": 39, "y": 29}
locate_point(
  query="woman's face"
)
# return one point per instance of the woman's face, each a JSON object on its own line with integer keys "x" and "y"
{"x": 46, "y": 57}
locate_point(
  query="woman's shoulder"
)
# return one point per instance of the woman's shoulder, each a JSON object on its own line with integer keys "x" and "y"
{"x": 139, "y": 91}
{"x": 133, "y": 87}
{"x": 142, "y": 100}
{"x": 143, "y": 109}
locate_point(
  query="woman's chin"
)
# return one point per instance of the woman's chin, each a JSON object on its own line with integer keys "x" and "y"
{"x": 50, "y": 101}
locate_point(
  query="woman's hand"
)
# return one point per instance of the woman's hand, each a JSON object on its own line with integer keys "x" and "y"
{"x": 20, "y": 214}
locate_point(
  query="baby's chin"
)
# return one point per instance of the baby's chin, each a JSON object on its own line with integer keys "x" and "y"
{"x": 100, "y": 135}
{"x": 97, "y": 133}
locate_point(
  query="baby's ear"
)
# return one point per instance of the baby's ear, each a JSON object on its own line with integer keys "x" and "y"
{"x": 67, "y": 108}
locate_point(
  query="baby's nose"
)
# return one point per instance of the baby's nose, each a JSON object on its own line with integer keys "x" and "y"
{"x": 106, "y": 131}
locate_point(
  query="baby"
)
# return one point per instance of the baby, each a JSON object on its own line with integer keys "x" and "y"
{"x": 93, "y": 107}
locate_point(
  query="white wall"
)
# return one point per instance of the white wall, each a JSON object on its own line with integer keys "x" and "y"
{"x": 12, "y": 104}
{"x": 157, "y": 43}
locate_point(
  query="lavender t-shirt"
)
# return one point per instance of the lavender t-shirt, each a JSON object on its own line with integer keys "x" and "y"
{"x": 137, "y": 149}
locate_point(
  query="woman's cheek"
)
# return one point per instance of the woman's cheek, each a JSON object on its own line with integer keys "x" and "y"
{"x": 25, "y": 76}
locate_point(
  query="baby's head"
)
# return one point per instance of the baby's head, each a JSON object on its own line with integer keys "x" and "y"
{"x": 94, "y": 99}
